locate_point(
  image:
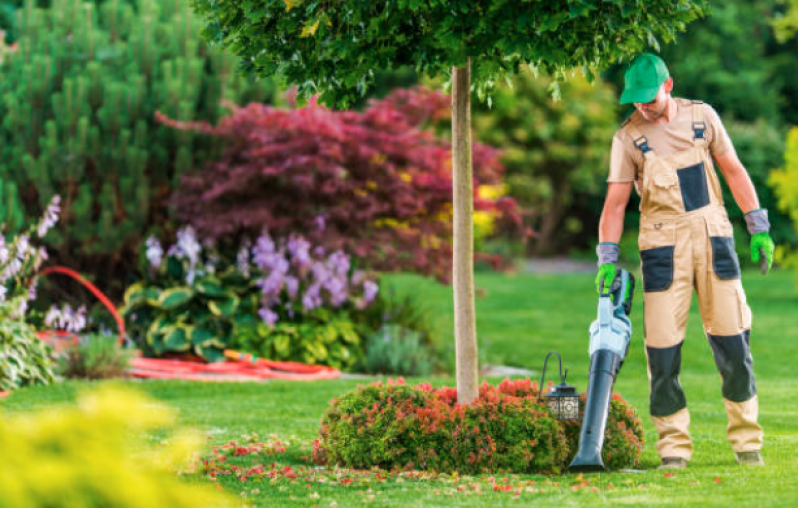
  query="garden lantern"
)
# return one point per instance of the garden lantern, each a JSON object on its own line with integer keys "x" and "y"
{"x": 563, "y": 401}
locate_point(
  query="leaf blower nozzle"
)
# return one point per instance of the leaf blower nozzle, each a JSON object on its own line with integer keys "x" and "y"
{"x": 610, "y": 336}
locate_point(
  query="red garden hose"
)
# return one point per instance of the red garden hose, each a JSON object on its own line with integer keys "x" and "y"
{"x": 120, "y": 323}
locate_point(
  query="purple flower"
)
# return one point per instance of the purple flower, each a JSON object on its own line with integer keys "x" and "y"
{"x": 4, "y": 254}
{"x": 339, "y": 262}
{"x": 23, "y": 243}
{"x": 337, "y": 289}
{"x": 268, "y": 316}
{"x": 312, "y": 297}
{"x": 321, "y": 222}
{"x": 370, "y": 289}
{"x": 187, "y": 247}
{"x": 50, "y": 216}
{"x": 299, "y": 248}
{"x": 263, "y": 247}
{"x": 292, "y": 285}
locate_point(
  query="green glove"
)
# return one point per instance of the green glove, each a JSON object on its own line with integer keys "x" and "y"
{"x": 606, "y": 274}
{"x": 764, "y": 242}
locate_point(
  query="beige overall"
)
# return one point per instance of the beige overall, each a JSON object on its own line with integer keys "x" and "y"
{"x": 686, "y": 242}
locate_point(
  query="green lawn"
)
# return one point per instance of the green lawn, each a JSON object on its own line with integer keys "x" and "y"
{"x": 520, "y": 319}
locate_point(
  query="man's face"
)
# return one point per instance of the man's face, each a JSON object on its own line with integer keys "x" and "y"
{"x": 653, "y": 110}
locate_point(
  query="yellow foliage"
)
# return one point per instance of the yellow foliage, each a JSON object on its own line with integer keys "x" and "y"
{"x": 492, "y": 192}
{"x": 87, "y": 456}
{"x": 484, "y": 223}
{"x": 310, "y": 30}
{"x": 785, "y": 185}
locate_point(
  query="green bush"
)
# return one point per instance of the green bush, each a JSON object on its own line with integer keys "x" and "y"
{"x": 78, "y": 101}
{"x": 785, "y": 185}
{"x": 394, "y": 349}
{"x": 323, "y": 336}
{"x": 84, "y": 456}
{"x": 414, "y": 341}
{"x": 504, "y": 430}
{"x": 95, "y": 356}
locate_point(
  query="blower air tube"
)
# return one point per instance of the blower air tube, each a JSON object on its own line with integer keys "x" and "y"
{"x": 604, "y": 367}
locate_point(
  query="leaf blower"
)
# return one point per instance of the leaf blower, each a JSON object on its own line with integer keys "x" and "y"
{"x": 610, "y": 336}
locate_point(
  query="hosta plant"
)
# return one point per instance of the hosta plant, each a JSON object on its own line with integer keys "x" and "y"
{"x": 286, "y": 300}
{"x": 24, "y": 359}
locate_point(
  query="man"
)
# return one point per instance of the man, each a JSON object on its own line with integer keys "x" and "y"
{"x": 665, "y": 150}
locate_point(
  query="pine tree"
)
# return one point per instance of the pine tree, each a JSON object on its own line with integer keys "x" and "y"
{"x": 78, "y": 99}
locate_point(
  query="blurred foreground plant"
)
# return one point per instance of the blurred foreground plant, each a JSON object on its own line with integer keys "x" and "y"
{"x": 84, "y": 455}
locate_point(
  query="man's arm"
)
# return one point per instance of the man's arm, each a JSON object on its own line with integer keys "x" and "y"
{"x": 739, "y": 182}
{"x": 745, "y": 195}
{"x": 611, "y": 223}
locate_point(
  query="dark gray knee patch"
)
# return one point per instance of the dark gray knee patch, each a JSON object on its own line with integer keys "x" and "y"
{"x": 735, "y": 364}
{"x": 667, "y": 396}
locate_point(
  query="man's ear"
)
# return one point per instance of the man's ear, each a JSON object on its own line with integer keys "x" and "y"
{"x": 668, "y": 84}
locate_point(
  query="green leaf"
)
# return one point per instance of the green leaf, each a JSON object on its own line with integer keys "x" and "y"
{"x": 224, "y": 307}
{"x": 177, "y": 339}
{"x": 139, "y": 294}
{"x": 175, "y": 297}
{"x": 210, "y": 286}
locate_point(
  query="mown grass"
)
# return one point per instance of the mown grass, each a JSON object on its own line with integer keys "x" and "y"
{"x": 521, "y": 318}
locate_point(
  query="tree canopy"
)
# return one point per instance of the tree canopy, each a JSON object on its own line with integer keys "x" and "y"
{"x": 334, "y": 48}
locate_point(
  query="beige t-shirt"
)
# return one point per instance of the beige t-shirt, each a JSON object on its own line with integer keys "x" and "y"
{"x": 665, "y": 139}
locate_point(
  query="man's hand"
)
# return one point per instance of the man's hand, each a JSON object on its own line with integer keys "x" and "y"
{"x": 762, "y": 241}
{"x": 606, "y": 275}
{"x": 759, "y": 228}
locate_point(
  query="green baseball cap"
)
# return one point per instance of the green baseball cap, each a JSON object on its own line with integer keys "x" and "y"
{"x": 643, "y": 78}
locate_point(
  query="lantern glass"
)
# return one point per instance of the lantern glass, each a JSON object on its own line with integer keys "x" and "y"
{"x": 564, "y": 403}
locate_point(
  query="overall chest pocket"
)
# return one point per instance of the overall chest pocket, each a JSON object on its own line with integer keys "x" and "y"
{"x": 657, "y": 242}
{"x": 693, "y": 184}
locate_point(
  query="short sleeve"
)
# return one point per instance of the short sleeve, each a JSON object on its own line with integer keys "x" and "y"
{"x": 719, "y": 142}
{"x": 622, "y": 164}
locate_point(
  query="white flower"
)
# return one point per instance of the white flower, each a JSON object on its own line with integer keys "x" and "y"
{"x": 154, "y": 252}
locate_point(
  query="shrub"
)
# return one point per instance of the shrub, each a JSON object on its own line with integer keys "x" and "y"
{"x": 505, "y": 429}
{"x": 95, "y": 356}
{"x": 401, "y": 316}
{"x": 282, "y": 299}
{"x": 372, "y": 183}
{"x": 394, "y": 349}
{"x": 555, "y": 153}
{"x": 77, "y": 100}
{"x": 84, "y": 456}
{"x": 785, "y": 185}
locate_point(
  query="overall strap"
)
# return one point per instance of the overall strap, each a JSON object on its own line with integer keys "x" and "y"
{"x": 699, "y": 126}
{"x": 640, "y": 141}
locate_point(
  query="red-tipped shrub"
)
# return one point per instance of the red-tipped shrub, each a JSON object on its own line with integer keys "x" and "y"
{"x": 504, "y": 430}
{"x": 396, "y": 426}
{"x": 372, "y": 183}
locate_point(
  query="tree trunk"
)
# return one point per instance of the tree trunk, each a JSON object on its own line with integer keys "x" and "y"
{"x": 465, "y": 330}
